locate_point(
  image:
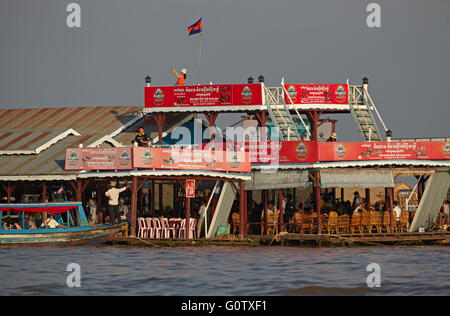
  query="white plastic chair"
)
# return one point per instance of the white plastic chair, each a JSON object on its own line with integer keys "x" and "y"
{"x": 182, "y": 229}
{"x": 150, "y": 230}
{"x": 192, "y": 231}
{"x": 166, "y": 229}
{"x": 142, "y": 231}
{"x": 156, "y": 227}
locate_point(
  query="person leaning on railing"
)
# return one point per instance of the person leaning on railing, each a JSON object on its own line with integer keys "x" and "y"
{"x": 141, "y": 138}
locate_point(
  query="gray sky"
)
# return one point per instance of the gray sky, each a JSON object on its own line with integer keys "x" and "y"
{"x": 45, "y": 63}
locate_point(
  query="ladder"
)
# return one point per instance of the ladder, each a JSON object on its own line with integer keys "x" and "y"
{"x": 362, "y": 114}
{"x": 280, "y": 115}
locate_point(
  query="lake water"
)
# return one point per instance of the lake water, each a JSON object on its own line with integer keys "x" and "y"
{"x": 123, "y": 270}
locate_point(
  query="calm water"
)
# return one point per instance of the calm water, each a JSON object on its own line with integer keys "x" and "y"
{"x": 121, "y": 270}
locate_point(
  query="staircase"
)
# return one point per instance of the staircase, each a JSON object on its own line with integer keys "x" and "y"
{"x": 223, "y": 208}
{"x": 435, "y": 193}
{"x": 280, "y": 115}
{"x": 362, "y": 114}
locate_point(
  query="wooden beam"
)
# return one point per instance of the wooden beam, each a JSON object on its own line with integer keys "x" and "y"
{"x": 133, "y": 205}
{"x": 241, "y": 209}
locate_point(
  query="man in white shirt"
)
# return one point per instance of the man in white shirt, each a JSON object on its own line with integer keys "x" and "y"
{"x": 113, "y": 195}
{"x": 397, "y": 210}
{"x": 446, "y": 208}
{"x": 201, "y": 217}
{"x": 51, "y": 223}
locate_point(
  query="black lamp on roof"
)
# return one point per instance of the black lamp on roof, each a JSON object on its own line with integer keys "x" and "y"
{"x": 388, "y": 133}
{"x": 250, "y": 80}
{"x": 148, "y": 80}
{"x": 261, "y": 78}
{"x": 365, "y": 80}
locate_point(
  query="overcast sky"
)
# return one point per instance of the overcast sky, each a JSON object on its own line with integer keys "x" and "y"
{"x": 45, "y": 63}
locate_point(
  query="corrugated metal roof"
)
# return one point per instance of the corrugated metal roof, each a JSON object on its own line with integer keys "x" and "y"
{"x": 277, "y": 179}
{"x": 356, "y": 178}
{"x": 352, "y": 164}
{"x": 30, "y": 142}
{"x": 28, "y": 129}
{"x": 166, "y": 173}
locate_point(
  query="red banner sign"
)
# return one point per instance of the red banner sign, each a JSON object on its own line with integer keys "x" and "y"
{"x": 190, "y": 188}
{"x": 111, "y": 158}
{"x": 317, "y": 93}
{"x": 191, "y": 159}
{"x": 203, "y": 95}
{"x": 273, "y": 152}
{"x": 384, "y": 151}
{"x": 238, "y": 157}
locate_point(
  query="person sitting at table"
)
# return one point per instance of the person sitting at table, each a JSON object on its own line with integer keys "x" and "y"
{"x": 271, "y": 209}
{"x": 14, "y": 225}
{"x": 359, "y": 208}
{"x": 29, "y": 222}
{"x": 51, "y": 223}
{"x": 123, "y": 209}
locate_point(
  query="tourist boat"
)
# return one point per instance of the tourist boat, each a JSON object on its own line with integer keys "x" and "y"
{"x": 69, "y": 214}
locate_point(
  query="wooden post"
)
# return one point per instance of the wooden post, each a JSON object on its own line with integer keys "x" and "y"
{"x": 211, "y": 118}
{"x": 294, "y": 196}
{"x": 317, "y": 200}
{"x": 153, "y": 197}
{"x": 160, "y": 120}
{"x": 8, "y": 192}
{"x": 245, "y": 211}
{"x": 79, "y": 190}
{"x": 133, "y": 205}
{"x": 391, "y": 208}
{"x": 266, "y": 195}
{"x": 161, "y": 198}
{"x": 280, "y": 206}
{"x": 44, "y": 194}
{"x": 313, "y": 118}
{"x": 368, "y": 199}
{"x": 342, "y": 195}
{"x": 188, "y": 215}
{"x": 175, "y": 195}
{"x": 141, "y": 202}
{"x": 241, "y": 209}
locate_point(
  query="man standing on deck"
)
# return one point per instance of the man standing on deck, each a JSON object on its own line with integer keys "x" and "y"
{"x": 397, "y": 211}
{"x": 446, "y": 208}
{"x": 201, "y": 217}
{"x": 92, "y": 212}
{"x": 180, "y": 77}
{"x": 113, "y": 195}
{"x": 357, "y": 199}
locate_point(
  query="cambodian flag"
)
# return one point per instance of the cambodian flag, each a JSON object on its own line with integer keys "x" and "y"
{"x": 195, "y": 28}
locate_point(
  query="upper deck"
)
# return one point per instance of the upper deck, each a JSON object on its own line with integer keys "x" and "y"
{"x": 250, "y": 97}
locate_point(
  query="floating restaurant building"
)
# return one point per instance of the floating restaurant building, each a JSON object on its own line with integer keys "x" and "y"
{"x": 278, "y": 149}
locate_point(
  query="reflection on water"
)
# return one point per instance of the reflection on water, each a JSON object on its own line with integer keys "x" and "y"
{"x": 121, "y": 270}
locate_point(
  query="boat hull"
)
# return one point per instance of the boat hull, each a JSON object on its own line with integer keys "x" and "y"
{"x": 58, "y": 236}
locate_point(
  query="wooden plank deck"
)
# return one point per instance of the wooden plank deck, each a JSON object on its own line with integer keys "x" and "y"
{"x": 288, "y": 239}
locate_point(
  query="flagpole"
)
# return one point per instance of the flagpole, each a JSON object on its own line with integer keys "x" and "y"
{"x": 199, "y": 51}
